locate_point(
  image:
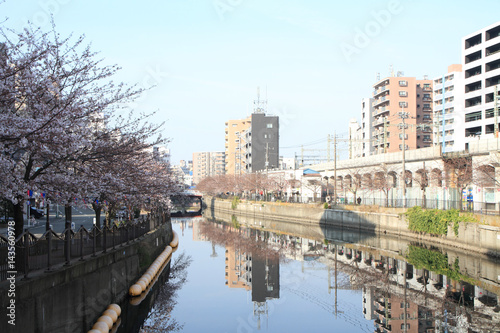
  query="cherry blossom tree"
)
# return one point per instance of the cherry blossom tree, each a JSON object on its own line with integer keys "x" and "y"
{"x": 60, "y": 129}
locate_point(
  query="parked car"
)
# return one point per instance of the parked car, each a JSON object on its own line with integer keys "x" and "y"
{"x": 37, "y": 213}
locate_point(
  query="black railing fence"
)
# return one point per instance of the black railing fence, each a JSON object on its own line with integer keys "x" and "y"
{"x": 50, "y": 249}
{"x": 476, "y": 207}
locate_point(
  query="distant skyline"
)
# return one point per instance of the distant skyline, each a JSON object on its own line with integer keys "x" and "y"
{"x": 316, "y": 59}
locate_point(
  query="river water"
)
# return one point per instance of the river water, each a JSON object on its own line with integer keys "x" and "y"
{"x": 226, "y": 277}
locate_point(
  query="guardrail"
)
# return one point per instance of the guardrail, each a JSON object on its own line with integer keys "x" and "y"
{"x": 50, "y": 249}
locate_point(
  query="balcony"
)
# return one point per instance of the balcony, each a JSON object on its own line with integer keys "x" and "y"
{"x": 427, "y": 99}
{"x": 378, "y": 91}
{"x": 380, "y": 110}
{"x": 427, "y": 89}
{"x": 380, "y": 100}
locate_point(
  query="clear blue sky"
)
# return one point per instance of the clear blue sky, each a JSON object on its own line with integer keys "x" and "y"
{"x": 207, "y": 57}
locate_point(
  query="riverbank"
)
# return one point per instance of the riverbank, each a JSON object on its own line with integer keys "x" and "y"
{"x": 475, "y": 237}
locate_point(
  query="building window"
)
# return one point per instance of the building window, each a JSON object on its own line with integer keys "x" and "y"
{"x": 269, "y": 125}
{"x": 403, "y": 83}
{"x": 403, "y": 104}
{"x": 403, "y": 93}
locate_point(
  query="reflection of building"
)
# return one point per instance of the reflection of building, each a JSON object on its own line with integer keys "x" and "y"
{"x": 237, "y": 269}
{"x": 397, "y": 296}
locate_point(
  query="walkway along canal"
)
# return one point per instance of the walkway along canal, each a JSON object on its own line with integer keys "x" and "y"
{"x": 70, "y": 297}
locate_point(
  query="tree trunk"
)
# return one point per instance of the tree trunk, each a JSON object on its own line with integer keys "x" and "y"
{"x": 97, "y": 210}
{"x": 18, "y": 218}
{"x": 68, "y": 217}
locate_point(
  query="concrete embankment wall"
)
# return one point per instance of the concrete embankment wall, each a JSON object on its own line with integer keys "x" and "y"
{"x": 471, "y": 236}
{"x": 70, "y": 298}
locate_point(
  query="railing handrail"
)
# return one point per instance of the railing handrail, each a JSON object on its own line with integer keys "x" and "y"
{"x": 29, "y": 248}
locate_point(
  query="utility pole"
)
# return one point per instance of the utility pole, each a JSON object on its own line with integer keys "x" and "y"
{"x": 328, "y": 148}
{"x": 302, "y": 155}
{"x": 404, "y": 115}
{"x": 335, "y": 167}
{"x": 267, "y": 157}
{"x": 385, "y": 134}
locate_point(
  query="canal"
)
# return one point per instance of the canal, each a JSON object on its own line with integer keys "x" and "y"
{"x": 226, "y": 277}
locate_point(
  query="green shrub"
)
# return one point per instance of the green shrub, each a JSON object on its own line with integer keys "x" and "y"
{"x": 435, "y": 261}
{"x": 235, "y": 202}
{"x": 234, "y": 221}
{"x": 435, "y": 221}
{"x": 326, "y": 205}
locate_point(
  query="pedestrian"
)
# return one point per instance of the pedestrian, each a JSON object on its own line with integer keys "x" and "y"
{"x": 359, "y": 200}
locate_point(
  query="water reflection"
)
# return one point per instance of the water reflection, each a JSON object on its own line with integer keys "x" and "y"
{"x": 159, "y": 318}
{"x": 421, "y": 290}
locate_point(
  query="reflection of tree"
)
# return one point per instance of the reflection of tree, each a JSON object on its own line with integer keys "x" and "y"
{"x": 159, "y": 318}
{"x": 245, "y": 239}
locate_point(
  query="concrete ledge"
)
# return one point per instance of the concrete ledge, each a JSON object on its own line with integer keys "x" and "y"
{"x": 473, "y": 237}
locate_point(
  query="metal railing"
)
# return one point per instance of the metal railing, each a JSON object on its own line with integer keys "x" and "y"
{"x": 50, "y": 249}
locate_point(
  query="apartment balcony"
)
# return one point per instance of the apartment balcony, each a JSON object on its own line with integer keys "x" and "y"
{"x": 427, "y": 88}
{"x": 427, "y": 99}
{"x": 378, "y": 91}
{"x": 378, "y": 122}
{"x": 427, "y": 109}
{"x": 380, "y": 101}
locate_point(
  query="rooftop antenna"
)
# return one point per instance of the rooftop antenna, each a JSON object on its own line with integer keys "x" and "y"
{"x": 260, "y": 105}
{"x": 378, "y": 76}
{"x": 391, "y": 71}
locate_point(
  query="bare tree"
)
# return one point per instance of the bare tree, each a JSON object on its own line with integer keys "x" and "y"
{"x": 384, "y": 180}
{"x": 458, "y": 172}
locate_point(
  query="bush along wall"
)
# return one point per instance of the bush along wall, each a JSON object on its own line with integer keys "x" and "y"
{"x": 435, "y": 221}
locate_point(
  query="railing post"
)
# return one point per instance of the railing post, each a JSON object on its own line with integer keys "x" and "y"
{"x": 126, "y": 229}
{"x": 113, "y": 230}
{"x": 68, "y": 247}
{"x": 81, "y": 242}
{"x": 49, "y": 250}
{"x": 104, "y": 239}
{"x": 94, "y": 235}
{"x": 26, "y": 253}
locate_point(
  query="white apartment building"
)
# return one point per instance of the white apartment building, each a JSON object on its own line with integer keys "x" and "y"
{"x": 367, "y": 112}
{"x": 206, "y": 164}
{"x": 481, "y": 67}
{"x": 449, "y": 112}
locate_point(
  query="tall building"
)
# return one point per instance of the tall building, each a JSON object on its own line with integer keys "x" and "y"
{"x": 235, "y": 144}
{"x": 396, "y": 94}
{"x": 367, "y": 115}
{"x": 206, "y": 164}
{"x": 262, "y": 143}
{"x": 252, "y": 144}
{"x": 161, "y": 153}
{"x": 449, "y": 110}
{"x": 481, "y": 66}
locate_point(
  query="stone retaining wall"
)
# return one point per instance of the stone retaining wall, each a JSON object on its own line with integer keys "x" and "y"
{"x": 471, "y": 236}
